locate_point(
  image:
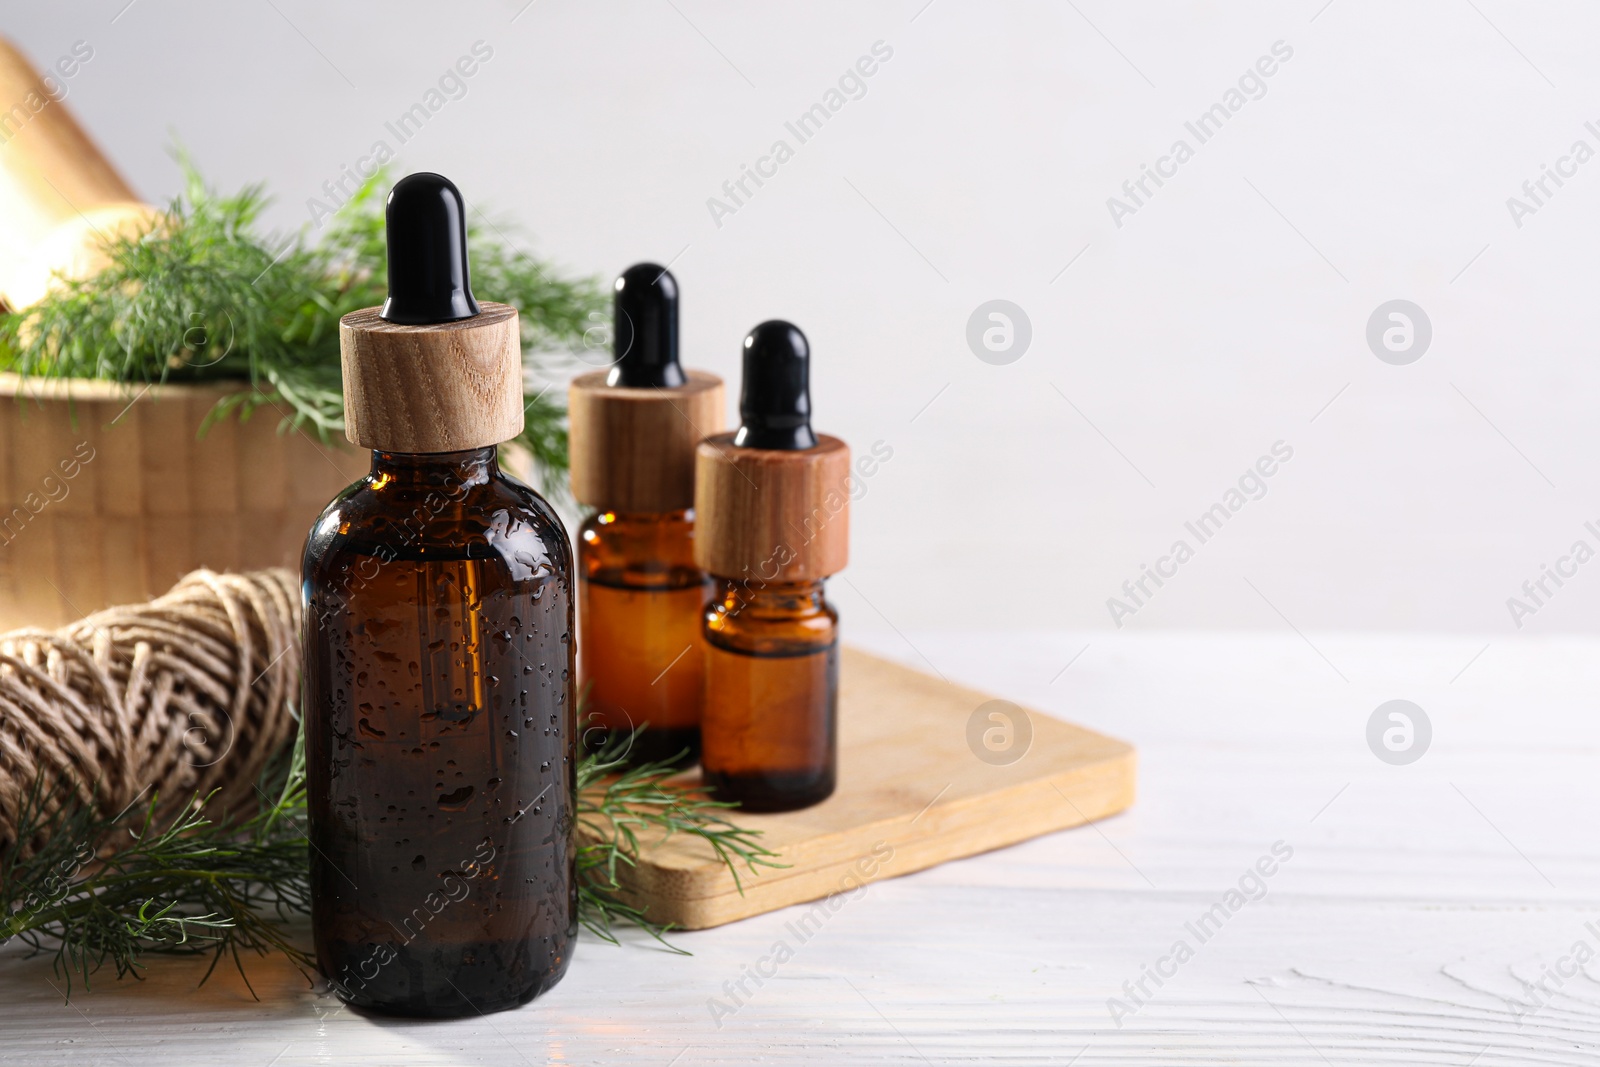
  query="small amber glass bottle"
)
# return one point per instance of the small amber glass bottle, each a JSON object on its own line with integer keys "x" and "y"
{"x": 773, "y": 501}
{"x": 633, "y": 432}
{"x": 438, "y": 658}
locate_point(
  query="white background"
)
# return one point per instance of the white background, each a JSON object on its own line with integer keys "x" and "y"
{"x": 1221, "y": 318}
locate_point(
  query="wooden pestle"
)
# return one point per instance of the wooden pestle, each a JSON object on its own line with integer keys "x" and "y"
{"x": 59, "y": 196}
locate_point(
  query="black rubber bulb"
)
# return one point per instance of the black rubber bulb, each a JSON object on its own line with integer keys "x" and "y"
{"x": 427, "y": 226}
{"x": 645, "y": 327}
{"x": 775, "y": 398}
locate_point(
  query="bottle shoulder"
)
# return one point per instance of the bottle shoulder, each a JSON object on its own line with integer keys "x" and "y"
{"x": 654, "y": 551}
{"x": 499, "y": 517}
{"x": 770, "y": 622}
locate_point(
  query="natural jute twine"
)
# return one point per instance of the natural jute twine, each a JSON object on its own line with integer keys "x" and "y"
{"x": 189, "y": 693}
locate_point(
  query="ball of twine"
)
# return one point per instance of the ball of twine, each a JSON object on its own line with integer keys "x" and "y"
{"x": 189, "y": 693}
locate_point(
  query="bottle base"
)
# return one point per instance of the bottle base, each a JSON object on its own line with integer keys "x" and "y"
{"x": 434, "y": 1009}
{"x": 441, "y": 996}
{"x": 771, "y": 792}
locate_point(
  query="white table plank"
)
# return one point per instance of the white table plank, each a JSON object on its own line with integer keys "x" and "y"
{"x": 1415, "y": 906}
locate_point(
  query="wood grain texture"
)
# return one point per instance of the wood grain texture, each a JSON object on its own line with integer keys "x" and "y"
{"x": 772, "y": 515}
{"x": 444, "y": 387}
{"x": 108, "y": 495}
{"x": 633, "y": 450}
{"x": 58, "y": 193}
{"x": 912, "y": 793}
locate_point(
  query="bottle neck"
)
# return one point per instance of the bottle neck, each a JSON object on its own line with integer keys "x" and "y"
{"x": 639, "y": 550}
{"x": 624, "y": 520}
{"x": 757, "y": 599}
{"x": 448, "y": 471}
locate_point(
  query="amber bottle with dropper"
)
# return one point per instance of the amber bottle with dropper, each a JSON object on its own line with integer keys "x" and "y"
{"x": 773, "y": 501}
{"x": 633, "y": 432}
{"x": 438, "y": 658}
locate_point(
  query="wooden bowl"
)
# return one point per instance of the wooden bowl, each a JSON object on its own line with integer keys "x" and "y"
{"x": 108, "y": 494}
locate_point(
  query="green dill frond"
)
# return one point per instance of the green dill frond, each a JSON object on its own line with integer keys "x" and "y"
{"x": 104, "y": 891}
{"x": 202, "y": 294}
{"x": 617, "y": 803}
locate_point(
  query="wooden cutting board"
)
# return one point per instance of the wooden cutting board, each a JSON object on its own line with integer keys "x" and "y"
{"x": 913, "y": 792}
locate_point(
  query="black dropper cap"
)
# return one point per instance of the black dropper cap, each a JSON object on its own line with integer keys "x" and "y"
{"x": 427, "y": 227}
{"x": 775, "y": 398}
{"x": 645, "y": 328}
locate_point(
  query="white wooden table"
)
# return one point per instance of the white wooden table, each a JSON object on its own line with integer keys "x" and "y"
{"x": 1417, "y": 901}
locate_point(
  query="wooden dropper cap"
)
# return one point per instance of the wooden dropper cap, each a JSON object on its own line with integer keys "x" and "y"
{"x": 772, "y": 501}
{"x": 633, "y": 428}
{"x": 431, "y": 370}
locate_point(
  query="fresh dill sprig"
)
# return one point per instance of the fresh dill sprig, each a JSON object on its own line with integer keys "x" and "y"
{"x": 108, "y": 890}
{"x": 201, "y": 294}
{"x": 614, "y": 810}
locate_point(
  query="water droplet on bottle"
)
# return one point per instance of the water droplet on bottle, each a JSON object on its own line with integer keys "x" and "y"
{"x": 456, "y": 800}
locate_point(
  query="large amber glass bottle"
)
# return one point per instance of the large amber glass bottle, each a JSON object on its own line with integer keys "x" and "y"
{"x": 641, "y": 594}
{"x": 438, "y": 660}
{"x": 774, "y": 505}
